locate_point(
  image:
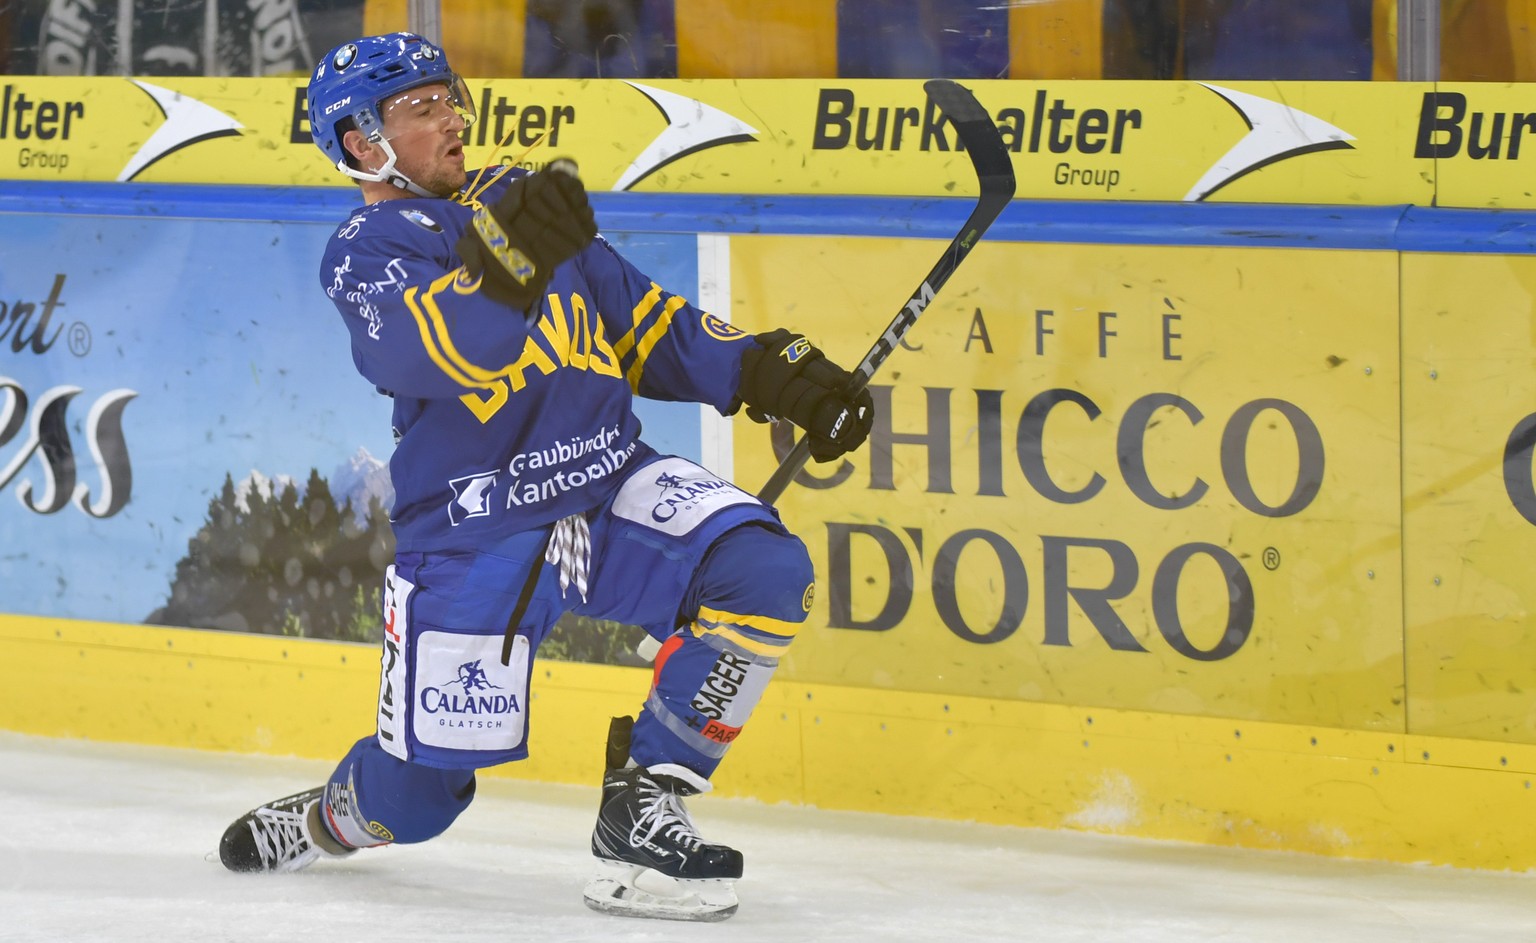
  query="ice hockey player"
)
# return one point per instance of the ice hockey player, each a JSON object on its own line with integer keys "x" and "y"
{"x": 512, "y": 337}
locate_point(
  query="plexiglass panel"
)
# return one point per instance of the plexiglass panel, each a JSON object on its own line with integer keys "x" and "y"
{"x": 1334, "y": 40}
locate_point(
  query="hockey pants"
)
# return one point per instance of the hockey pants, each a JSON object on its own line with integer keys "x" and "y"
{"x": 726, "y": 595}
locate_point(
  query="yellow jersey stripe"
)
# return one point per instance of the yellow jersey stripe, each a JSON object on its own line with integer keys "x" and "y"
{"x": 480, "y": 377}
{"x": 642, "y": 308}
{"x": 424, "y": 326}
{"x": 745, "y": 643}
{"x": 763, "y": 624}
{"x": 652, "y": 336}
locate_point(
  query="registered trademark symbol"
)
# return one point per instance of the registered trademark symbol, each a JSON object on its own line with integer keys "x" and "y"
{"x": 1271, "y": 558}
{"x": 79, "y": 339}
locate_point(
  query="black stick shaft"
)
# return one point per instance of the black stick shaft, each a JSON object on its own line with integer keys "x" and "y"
{"x": 994, "y": 170}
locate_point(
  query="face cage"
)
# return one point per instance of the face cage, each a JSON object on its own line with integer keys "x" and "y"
{"x": 371, "y": 123}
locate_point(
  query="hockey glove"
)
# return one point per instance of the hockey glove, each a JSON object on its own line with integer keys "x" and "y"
{"x": 789, "y": 378}
{"x": 515, "y": 243}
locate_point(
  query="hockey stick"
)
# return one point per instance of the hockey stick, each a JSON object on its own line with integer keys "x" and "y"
{"x": 994, "y": 169}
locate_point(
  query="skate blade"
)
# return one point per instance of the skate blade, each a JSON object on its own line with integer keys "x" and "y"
{"x": 615, "y": 890}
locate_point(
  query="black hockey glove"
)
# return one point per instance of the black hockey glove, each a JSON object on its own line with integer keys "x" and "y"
{"x": 788, "y": 378}
{"x": 515, "y": 243}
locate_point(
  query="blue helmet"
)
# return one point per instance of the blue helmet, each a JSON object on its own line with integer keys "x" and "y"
{"x": 354, "y": 78}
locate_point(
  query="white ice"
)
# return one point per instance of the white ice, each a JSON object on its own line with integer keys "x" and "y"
{"x": 106, "y": 842}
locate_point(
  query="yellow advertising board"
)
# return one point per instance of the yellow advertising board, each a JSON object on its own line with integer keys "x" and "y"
{"x": 1348, "y": 142}
{"x": 1160, "y": 478}
{"x": 1469, "y": 520}
{"x": 1482, "y": 138}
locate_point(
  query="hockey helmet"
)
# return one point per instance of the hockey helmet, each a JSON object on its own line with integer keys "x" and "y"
{"x": 356, "y": 79}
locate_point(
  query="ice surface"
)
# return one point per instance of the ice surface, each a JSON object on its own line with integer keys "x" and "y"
{"x": 106, "y": 842}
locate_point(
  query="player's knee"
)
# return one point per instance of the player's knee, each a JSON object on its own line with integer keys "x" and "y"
{"x": 756, "y": 570}
{"x": 374, "y": 797}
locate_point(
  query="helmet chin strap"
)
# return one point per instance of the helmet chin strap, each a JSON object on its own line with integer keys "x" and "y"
{"x": 386, "y": 174}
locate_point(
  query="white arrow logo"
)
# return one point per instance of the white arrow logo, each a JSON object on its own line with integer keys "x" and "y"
{"x": 691, "y": 126}
{"x": 1277, "y": 132}
{"x": 187, "y": 121}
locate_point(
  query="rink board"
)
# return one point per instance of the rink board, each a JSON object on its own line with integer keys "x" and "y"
{"x": 1253, "y": 482}
{"x": 1351, "y": 143}
{"x": 1249, "y": 784}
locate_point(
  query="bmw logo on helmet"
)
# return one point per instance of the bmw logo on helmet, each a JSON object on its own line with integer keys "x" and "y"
{"x": 344, "y": 56}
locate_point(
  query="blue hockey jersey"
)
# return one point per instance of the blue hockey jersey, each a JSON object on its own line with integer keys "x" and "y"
{"x": 505, "y": 423}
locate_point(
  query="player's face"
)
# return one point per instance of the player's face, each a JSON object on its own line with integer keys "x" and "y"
{"x": 423, "y": 127}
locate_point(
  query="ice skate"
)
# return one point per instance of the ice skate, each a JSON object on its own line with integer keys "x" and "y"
{"x": 651, "y": 861}
{"x": 280, "y": 836}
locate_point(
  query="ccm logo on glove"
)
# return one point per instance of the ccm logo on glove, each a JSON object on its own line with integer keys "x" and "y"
{"x": 795, "y": 351}
{"x": 788, "y": 377}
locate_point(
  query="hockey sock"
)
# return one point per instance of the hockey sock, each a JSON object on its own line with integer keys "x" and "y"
{"x": 374, "y": 798}
{"x": 750, "y": 597}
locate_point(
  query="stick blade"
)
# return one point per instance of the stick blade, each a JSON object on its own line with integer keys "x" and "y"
{"x": 978, "y": 134}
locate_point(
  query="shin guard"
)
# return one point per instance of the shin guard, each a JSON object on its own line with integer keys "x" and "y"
{"x": 750, "y": 597}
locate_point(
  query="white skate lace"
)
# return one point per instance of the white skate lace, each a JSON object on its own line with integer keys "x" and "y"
{"x": 281, "y": 839}
{"x": 662, "y": 812}
{"x": 570, "y": 548}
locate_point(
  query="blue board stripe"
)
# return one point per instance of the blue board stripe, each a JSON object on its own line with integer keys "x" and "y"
{"x": 1401, "y": 228}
